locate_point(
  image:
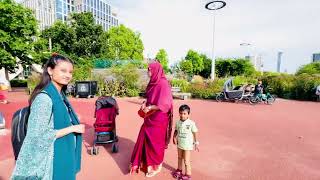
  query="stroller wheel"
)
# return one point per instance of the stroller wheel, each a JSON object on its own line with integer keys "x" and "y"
{"x": 115, "y": 148}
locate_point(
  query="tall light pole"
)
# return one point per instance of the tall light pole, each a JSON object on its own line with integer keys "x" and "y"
{"x": 213, "y": 6}
{"x": 247, "y": 45}
{"x": 279, "y": 61}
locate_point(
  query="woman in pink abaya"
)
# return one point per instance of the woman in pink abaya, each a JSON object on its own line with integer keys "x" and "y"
{"x": 155, "y": 132}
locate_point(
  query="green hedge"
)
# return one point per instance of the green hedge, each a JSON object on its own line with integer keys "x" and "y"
{"x": 300, "y": 87}
{"x": 18, "y": 83}
{"x": 181, "y": 83}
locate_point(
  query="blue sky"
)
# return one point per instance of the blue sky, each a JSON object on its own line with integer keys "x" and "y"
{"x": 289, "y": 26}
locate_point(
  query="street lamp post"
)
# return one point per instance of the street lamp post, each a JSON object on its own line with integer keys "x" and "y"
{"x": 247, "y": 45}
{"x": 213, "y": 6}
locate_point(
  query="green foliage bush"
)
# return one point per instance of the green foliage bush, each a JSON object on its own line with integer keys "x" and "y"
{"x": 281, "y": 85}
{"x": 300, "y": 87}
{"x": 234, "y": 67}
{"x": 33, "y": 81}
{"x": 201, "y": 91}
{"x": 122, "y": 81}
{"x": 304, "y": 87}
{"x": 206, "y": 90}
{"x": 82, "y": 69}
{"x": 18, "y": 83}
{"x": 181, "y": 83}
{"x": 311, "y": 69}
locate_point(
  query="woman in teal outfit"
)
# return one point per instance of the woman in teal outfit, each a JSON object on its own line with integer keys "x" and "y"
{"x": 52, "y": 146}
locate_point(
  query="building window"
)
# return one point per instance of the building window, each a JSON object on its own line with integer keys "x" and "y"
{"x": 59, "y": 6}
{"x": 59, "y": 16}
{"x": 65, "y": 8}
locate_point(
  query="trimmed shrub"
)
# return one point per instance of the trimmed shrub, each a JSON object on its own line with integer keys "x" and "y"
{"x": 304, "y": 87}
{"x": 33, "y": 80}
{"x": 181, "y": 83}
{"x": 18, "y": 83}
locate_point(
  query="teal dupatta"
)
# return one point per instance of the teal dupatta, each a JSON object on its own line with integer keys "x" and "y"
{"x": 67, "y": 149}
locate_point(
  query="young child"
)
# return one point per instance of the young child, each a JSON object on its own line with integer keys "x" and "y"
{"x": 185, "y": 136}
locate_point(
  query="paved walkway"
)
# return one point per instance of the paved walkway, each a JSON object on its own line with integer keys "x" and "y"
{"x": 237, "y": 141}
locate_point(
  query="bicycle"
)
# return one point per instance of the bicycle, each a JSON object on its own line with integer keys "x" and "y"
{"x": 266, "y": 98}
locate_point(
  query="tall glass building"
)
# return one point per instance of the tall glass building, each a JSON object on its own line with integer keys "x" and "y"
{"x": 316, "y": 57}
{"x": 44, "y": 11}
{"x": 48, "y": 11}
{"x": 63, "y": 9}
{"x": 101, "y": 10}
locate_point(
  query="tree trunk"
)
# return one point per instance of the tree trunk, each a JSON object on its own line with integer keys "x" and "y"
{"x": 7, "y": 78}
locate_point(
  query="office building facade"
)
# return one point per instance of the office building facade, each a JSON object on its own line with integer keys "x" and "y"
{"x": 102, "y": 12}
{"x": 316, "y": 57}
{"x": 44, "y": 11}
{"x": 63, "y": 8}
{"x": 48, "y": 11}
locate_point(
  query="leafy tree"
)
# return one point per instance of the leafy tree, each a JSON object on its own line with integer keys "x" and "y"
{"x": 223, "y": 67}
{"x": 41, "y": 51}
{"x": 312, "y": 68}
{"x": 17, "y": 30}
{"x": 206, "y": 72}
{"x": 63, "y": 37}
{"x": 233, "y": 67}
{"x": 122, "y": 43}
{"x": 162, "y": 56}
{"x": 87, "y": 33}
{"x": 186, "y": 66}
{"x": 196, "y": 60}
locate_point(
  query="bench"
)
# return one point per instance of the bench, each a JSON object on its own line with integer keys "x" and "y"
{"x": 176, "y": 93}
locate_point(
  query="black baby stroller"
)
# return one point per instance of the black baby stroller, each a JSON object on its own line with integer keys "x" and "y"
{"x": 105, "y": 125}
{"x": 231, "y": 93}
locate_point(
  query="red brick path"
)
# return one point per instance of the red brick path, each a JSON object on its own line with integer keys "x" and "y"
{"x": 237, "y": 141}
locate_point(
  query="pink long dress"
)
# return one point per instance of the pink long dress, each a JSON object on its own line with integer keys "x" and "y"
{"x": 155, "y": 132}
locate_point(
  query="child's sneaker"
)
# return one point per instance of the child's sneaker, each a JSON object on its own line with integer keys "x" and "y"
{"x": 177, "y": 173}
{"x": 185, "y": 177}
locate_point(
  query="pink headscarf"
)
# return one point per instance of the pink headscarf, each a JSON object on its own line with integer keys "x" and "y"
{"x": 159, "y": 90}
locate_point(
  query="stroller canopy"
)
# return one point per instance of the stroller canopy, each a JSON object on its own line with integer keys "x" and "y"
{"x": 228, "y": 85}
{"x": 105, "y": 102}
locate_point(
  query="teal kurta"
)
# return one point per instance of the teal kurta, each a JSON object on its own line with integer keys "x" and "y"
{"x": 42, "y": 156}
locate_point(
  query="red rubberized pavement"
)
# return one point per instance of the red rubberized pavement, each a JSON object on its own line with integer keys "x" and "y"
{"x": 237, "y": 141}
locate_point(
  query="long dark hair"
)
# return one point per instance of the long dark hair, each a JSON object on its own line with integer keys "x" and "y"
{"x": 45, "y": 78}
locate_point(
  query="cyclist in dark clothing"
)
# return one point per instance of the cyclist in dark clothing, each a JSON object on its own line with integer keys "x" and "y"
{"x": 259, "y": 88}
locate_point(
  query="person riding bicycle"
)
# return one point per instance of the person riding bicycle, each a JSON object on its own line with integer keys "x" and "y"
{"x": 259, "y": 88}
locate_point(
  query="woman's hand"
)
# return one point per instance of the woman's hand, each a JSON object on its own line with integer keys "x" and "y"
{"x": 80, "y": 128}
{"x": 147, "y": 109}
{"x": 143, "y": 105}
